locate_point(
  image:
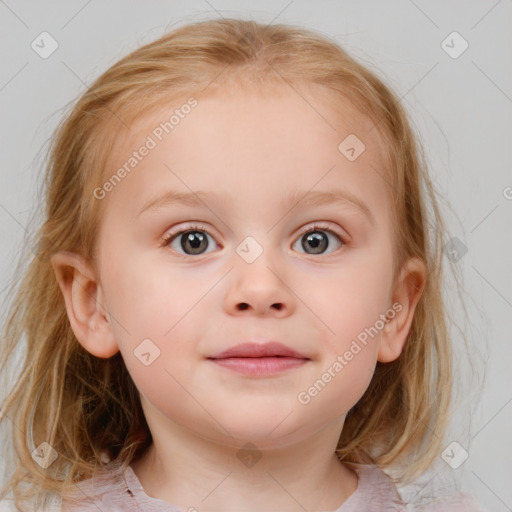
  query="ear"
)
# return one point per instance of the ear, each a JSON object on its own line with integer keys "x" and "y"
{"x": 406, "y": 294}
{"x": 84, "y": 304}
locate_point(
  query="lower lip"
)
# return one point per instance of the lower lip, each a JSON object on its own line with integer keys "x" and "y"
{"x": 260, "y": 365}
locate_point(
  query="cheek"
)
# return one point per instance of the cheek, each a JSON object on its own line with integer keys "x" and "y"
{"x": 341, "y": 382}
{"x": 163, "y": 365}
{"x": 156, "y": 324}
{"x": 150, "y": 300}
{"x": 352, "y": 298}
{"x": 350, "y": 304}
{"x": 169, "y": 390}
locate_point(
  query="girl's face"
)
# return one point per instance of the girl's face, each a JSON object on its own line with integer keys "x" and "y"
{"x": 287, "y": 239}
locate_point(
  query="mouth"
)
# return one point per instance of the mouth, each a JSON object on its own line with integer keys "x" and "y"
{"x": 260, "y": 359}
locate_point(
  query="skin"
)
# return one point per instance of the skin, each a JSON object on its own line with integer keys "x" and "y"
{"x": 255, "y": 149}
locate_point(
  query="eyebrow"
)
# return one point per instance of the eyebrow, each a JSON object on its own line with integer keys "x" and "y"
{"x": 302, "y": 197}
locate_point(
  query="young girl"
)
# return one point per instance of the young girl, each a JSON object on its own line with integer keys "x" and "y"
{"x": 236, "y": 300}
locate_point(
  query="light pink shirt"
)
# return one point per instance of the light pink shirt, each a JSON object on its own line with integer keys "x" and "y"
{"x": 115, "y": 491}
{"x": 375, "y": 492}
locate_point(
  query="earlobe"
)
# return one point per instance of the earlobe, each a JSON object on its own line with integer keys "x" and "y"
{"x": 85, "y": 306}
{"x": 406, "y": 295}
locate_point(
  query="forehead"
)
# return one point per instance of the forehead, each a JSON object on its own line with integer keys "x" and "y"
{"x": 259, "y": 144}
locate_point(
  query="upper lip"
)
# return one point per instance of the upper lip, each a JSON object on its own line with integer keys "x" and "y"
{"x": 251, "y": 349}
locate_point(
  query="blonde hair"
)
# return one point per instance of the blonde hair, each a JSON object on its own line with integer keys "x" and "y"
{"x": 84, "y": 406}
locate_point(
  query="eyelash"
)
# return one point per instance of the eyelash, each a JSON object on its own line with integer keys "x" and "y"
{"x": 168, "y": 238}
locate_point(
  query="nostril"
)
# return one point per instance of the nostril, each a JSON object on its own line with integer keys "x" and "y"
{"x": 243, "y": 306}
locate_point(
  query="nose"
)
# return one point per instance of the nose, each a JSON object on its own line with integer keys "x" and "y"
{"x": 257, "y": 289}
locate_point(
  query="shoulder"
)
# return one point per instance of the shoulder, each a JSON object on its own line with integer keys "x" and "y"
{"x": 105, "y": 490}
{"x": 437, "y": 490}
{"x": 458, "y": 502}
{"x": 9, "y": 506}
{"x": 377, "y": 491}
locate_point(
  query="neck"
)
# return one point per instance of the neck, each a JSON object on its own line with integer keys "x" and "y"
{"x": 189, "y": 471}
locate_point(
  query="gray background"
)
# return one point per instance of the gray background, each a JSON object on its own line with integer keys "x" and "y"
{"x": 462, "y": 108}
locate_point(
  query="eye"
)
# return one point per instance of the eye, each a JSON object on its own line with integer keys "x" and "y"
{"x": 317, "y": 240}
{"x": 192, "y": 241}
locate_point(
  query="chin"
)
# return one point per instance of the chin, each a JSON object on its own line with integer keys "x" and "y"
{"x": 263, "y": 429}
